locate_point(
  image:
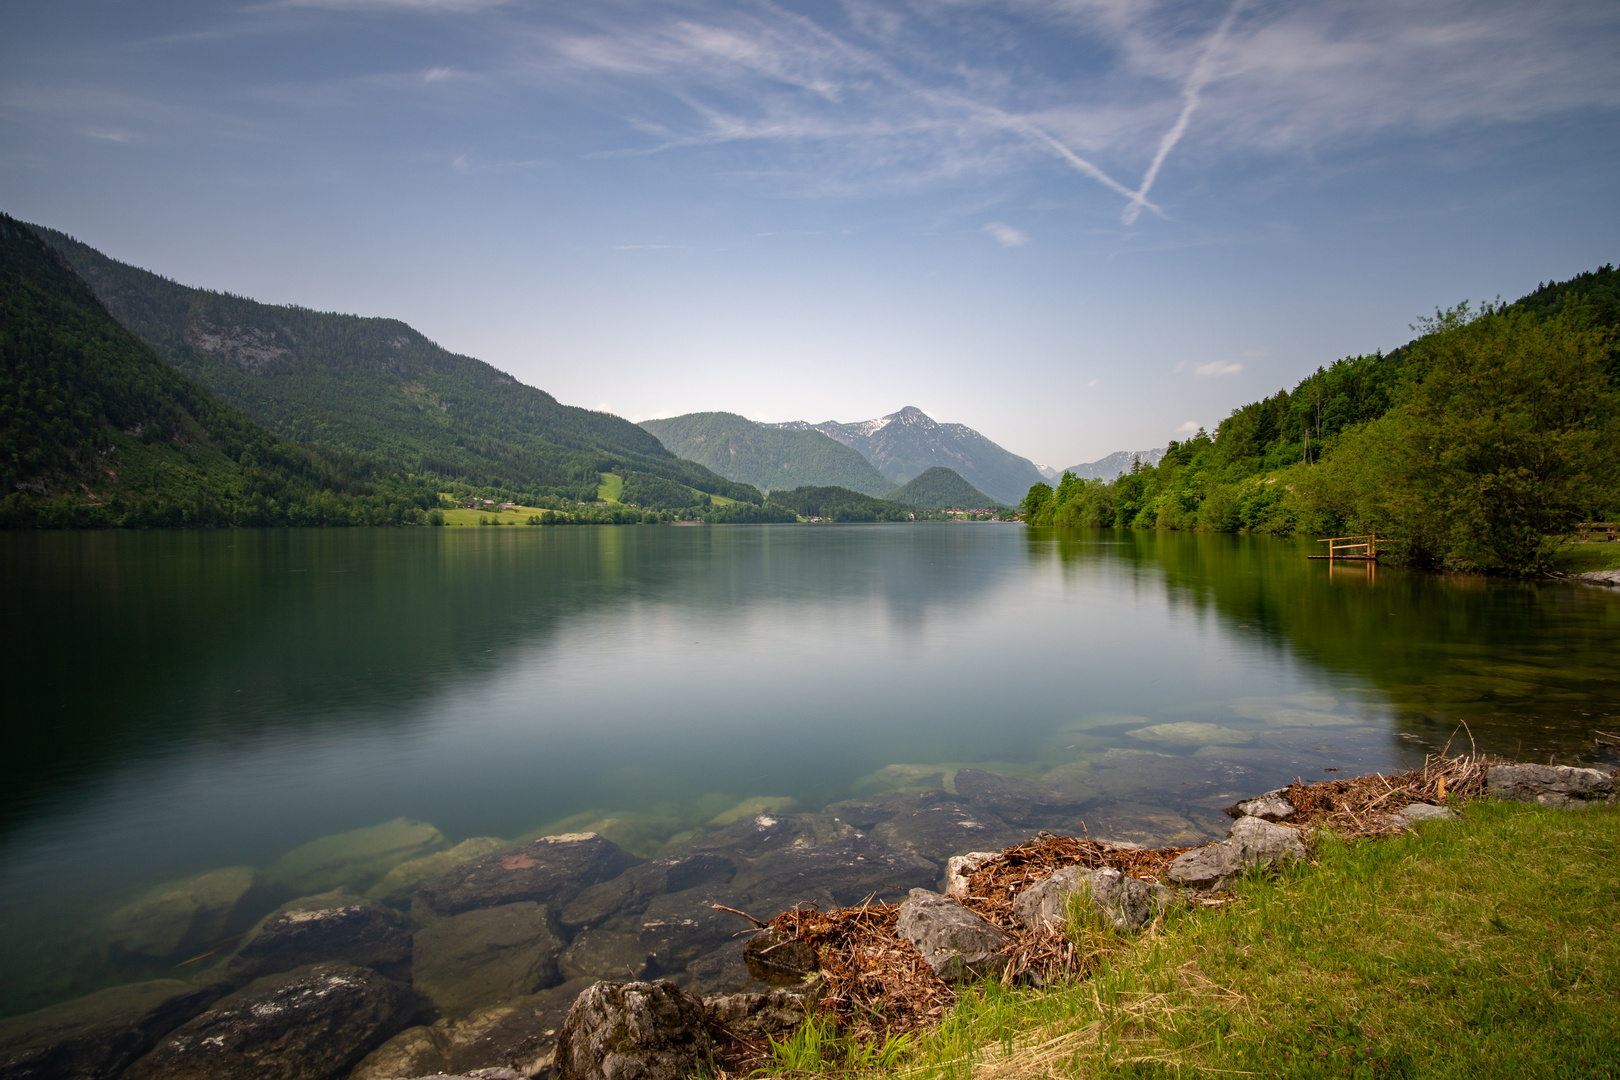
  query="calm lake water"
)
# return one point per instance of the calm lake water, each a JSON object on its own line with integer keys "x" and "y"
{"x": 186, "y": 701}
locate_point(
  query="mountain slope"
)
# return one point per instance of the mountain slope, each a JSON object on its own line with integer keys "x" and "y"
{"x": 377, "y": 387}
{"x": 940, "y": 488}
{"x": 907, "y": 443}
{"x": 768, "y": 457}
{"x": 95, "y": 429}
{"x": 1111, "y": 466}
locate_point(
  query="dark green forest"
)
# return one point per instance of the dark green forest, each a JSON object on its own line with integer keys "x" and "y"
{"x": 940, "y": 488}
{"x": 1474, "y": 446}
{"x": 96, "y": 430}
{"x": 376, "y": 388}
{"x": 840, "y": 504}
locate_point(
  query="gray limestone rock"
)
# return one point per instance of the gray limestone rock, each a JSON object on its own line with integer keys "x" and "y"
{"x": 517, "y": 1036}
{"x": 94, "y": 1037}
{"x": 1125, "y": 902}
{"x": 958, "y": 868}
{"x": 1410, "y": 815}
{"x": 752, "y": 1015}
{"x": 482, "y": 957}
{"x": 551, "y": 870}
{"x": 762, "y": 834}
{"x": 338, "y": 925}
{"x": 1019, "y": 801}
{"x": 780, "y": 961}
{"x": 1253, "y": 843}
{"x": 957, "y": 943}
{"x": 633, "y": 1031}
{"x": 609, "y": 951}
{"x": 1272, "y": 806}
{"x": 1559, "y": 786}
{"x": 311, "y": 1024}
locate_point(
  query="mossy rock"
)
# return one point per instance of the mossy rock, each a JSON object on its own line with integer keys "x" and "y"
{"x": 357, "y": 858}
{"x": 404, "y": 879}
{"x": 186, "y": 915}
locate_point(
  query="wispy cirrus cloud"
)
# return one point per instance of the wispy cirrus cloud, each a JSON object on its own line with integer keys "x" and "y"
{"x": 911, "y": 93}
{"x": 1006, "y": 235}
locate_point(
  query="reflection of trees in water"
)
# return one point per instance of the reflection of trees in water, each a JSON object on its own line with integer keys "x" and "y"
{"x": 1529, "y": 667}
{"x": 124, "y": 642}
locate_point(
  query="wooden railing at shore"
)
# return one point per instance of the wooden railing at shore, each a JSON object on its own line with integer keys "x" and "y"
{"x": 1361, "y": 548}
{"x": 1598, "y": 532}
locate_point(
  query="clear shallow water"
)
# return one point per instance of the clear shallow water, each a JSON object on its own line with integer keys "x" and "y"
{"x": 187, "y": 701}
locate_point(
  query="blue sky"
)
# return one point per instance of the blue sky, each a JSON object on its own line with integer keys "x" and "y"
{"x": 1076, "y": 225}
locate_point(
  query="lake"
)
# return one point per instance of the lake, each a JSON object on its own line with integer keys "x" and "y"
{"x": 183, "y": 702}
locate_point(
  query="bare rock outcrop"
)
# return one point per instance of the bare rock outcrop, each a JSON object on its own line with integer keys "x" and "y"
{"x": 957, "y": 943}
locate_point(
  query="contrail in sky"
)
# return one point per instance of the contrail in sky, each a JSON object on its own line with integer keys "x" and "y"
{"x": 1189, "y": 101}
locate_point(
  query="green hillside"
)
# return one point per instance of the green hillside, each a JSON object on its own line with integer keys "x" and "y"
{"x": 376, "y": 387}
{"x": 1475, "y": 446}
{"x": 940, "y": 488}
{"x": 839, "y": 504}
{"x": 95, "y": 429}
{"x": 771, "y": 459}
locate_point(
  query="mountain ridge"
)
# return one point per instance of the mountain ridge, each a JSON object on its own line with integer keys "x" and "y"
{"x": 769, "y": 458}
{"x": 904, "y": 444}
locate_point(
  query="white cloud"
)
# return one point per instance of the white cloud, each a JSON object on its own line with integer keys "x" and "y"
{"x": 435, "y": 74}
{"x": 1219, "y": 367}
{"x": 111, "y": 136}
{"x": 1093, "y": 382}
{"x": 885, "y": 96}
{"x": 459, "y": 163}
{"x": 448, "y": 6}
{"x": 1189, "y": 428}
{"x": 1006, "y": 235}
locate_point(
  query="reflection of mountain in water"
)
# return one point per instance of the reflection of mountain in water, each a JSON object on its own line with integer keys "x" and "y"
{"x": 1523, "y": 668}
{"x": 124, "y": 643}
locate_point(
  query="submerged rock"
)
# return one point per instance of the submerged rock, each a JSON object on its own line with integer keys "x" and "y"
{"x": 938, "y": 832}
{"x": 1020, "y": 801}
{"x": 404, "y": 879}
{"x": 356, "y": 858}
{"x": 633, "y": 1031}
{"x": 311, "y": 1024}
{"x": 633, "y": 890}
{"x": 1253, "y": 843}
{"x": 1189, "y": 734}
{"x": 337, "y": 925}
{"x": 1559, "y": 786}
{"x": 1272, "y": 806}
{"x": 519, "y": 1035}
{"x": 551, "y": 870}
{"x": 187, "y": 916}
{"x": 762, "y": 834}
{"x": 870, "y": 810}
{"x": 1124, "y": 902}
{"x": 850, "y": 868}
{"x": 481, "y": 957}
{"x": 98, "y": 1036}
{"x": 957, "y": 943}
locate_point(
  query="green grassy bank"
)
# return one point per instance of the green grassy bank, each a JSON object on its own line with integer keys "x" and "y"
{"x": 1484, "y": 947}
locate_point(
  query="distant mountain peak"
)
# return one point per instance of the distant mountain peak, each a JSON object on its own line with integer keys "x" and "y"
{"x": 907, "y": 443}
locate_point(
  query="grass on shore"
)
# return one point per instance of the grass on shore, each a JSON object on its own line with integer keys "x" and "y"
{"x": 1479, "y": 948}
{"x": 1584, "y": 558}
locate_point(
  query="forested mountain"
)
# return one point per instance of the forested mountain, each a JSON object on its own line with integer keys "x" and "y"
{"x": 95, "y": 429}
{"x": 905, "y": 444}
{"x": 940, "y": 488}
{"x": 1474, "y": 446}
{"x": 768, "y": 457}
{"x": 376, "y": 387}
